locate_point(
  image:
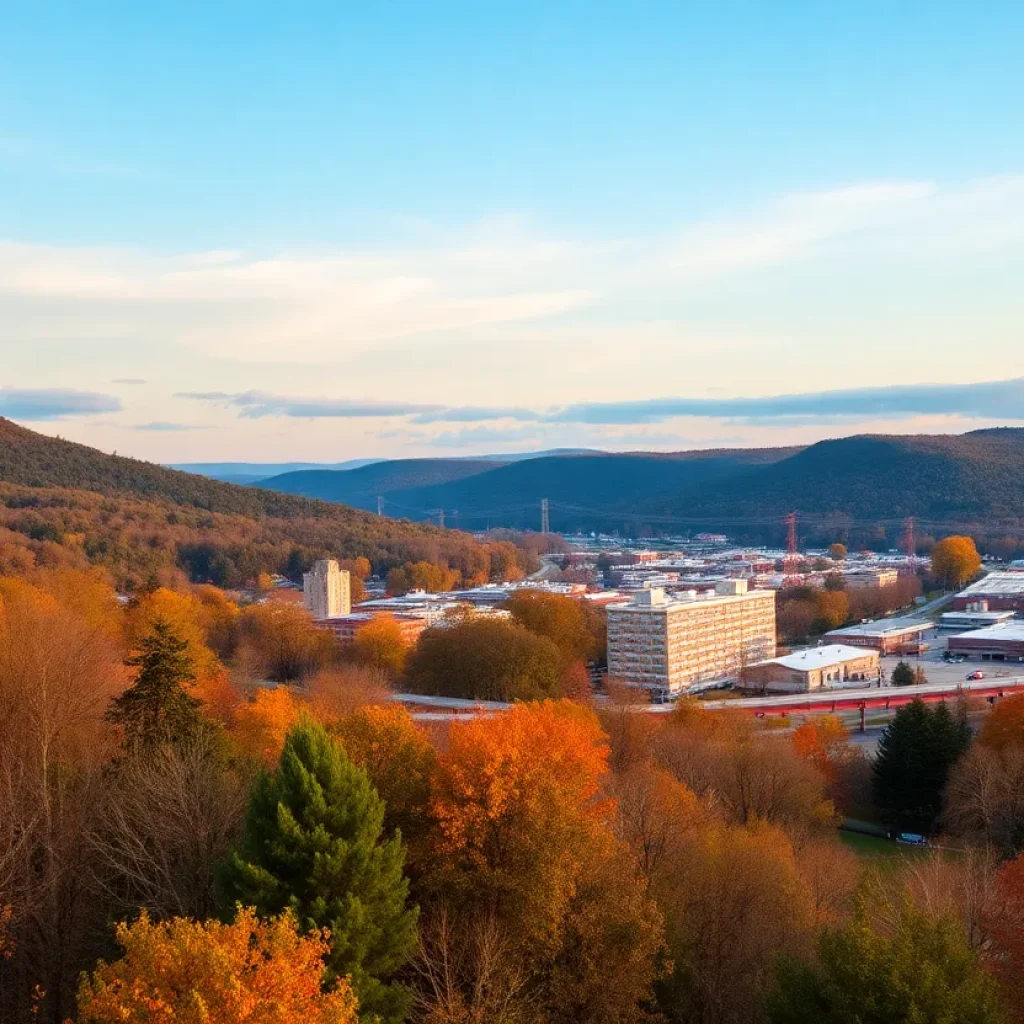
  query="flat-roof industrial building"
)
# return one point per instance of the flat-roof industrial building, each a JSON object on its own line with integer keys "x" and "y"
{"x": 833, "y": 665}
{"x": 1002, "y": 591}
{"x": 993, "y": 643}
{"x": 973, "y": 619}
{"x": 887, "y": 636}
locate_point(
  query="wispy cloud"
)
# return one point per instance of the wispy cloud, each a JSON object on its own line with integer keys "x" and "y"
{"x": 791, "y": 227}
{"x": 163, "y": 426}
{"x": 256, "y": 404}
{"x": 989, "y": 400}
{"x": 39, "y": 404}
{"x": 314, "y": 307}
{"x": 128, "y": 380}
{"x": 994, "y": 399}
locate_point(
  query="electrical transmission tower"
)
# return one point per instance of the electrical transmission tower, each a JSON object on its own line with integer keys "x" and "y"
{"x": 792, "y": 560}
{"x": 439, "y": 512}
{"x": 910, "y": 540}
{"x": 380, "y": 505}
{"x": 455, "y": 517}
{"x": 545, "y": 516}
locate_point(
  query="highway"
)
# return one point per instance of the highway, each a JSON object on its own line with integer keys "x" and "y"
{"x": 820, "y": 702}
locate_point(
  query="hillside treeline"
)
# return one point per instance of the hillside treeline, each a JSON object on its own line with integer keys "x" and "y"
{"x": 147, "y": 542}
{"x": 178, "y": 844}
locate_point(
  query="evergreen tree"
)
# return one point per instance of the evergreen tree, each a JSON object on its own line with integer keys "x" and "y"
{"x": 915, "y": 756}
{"x": 923, "y": 972}
{"x": 156, "y": 708}
{"x": 314, "y": 844}
{"x": 902, "y": 674}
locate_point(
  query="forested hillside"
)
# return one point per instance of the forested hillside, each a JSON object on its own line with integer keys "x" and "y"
{"x": 970, "y": 477}
{"x": 66, "y": 504}
{"x": 509, "y": 495}
{"x": 867, "y": 484}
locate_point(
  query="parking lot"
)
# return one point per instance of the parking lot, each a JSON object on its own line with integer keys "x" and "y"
{"x": 939, "y": 671}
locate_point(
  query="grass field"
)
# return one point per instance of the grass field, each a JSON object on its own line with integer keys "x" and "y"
{"x": 877, "y": 849}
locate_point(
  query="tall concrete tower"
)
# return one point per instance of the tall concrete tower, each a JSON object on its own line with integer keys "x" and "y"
{"x": 327, "y": 590}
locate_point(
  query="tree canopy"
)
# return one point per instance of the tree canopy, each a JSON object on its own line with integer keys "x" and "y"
{"x": 314, "y": 845}
{"x": 923, "y": 971}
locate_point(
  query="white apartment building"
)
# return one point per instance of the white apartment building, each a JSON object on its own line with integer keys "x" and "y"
{"x": 327, "y": 590}
{"x": 667, "y": 644}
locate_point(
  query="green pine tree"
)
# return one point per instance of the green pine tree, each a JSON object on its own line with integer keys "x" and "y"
{"x": 923, "y": 972}
{"x": 314, "y": 844}
{"x": 915, "y": 756}
{"x": 157, "y": 708}
{"x": 902, "y": 674}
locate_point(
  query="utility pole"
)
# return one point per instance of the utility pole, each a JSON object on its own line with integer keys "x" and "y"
{"x": 545, "y": 516}
{"x": 380, "y": 505}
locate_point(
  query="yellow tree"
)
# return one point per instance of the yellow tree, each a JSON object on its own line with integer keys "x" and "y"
{"x": 381, "y": 645}
{"x": 561, "y": 619}
{"x": 955, "y": 560}
{"x": 199, "y": 972}
{"x": 397, "y": 756}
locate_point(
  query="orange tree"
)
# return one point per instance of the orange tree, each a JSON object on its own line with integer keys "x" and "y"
{"x": 525, "y": 841}
{"x": 824, "y": 741}
{"x": 1005, "y": 925}
{"x": 955, "y": 560}
{"x": 1004, "y": 726}
{"x": 195, "y": 972}
{"x": 261, "y": 725}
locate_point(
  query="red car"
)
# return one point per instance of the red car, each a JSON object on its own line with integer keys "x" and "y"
{"x": 976, "y": 675}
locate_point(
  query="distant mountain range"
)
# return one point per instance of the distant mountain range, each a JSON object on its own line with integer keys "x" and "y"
{"x": 254, "y": 472}
{"x": 867, "y": 482}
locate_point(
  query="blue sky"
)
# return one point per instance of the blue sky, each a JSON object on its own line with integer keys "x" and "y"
{"x": 327, "y": 230}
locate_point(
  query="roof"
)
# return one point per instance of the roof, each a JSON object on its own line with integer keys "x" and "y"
{"x": 883, "y": 627}
{"x": 966, "y": 616}
{"x": 1012, "y": 631}
{"x": 995, "y": 584}
{"x": 819, "y": 657}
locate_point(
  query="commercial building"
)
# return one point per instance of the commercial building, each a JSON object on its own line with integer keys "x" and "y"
{"x": 871, "y": 579}
{"x": 1004, "y": 591}
{"x": 669, "y": 644}
{"x": 327, "y": 590}
{"x": 819, "y": 667}
{"x": 887, "y": 636}
{"x": 346, "y": 627}
{"x": 973, "y": 618}
{"x": 993, "y": 643}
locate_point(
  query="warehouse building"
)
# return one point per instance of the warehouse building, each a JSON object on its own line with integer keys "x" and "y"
{"x": 993, "y": 643}
{"x": 973, "y": 618}
{"x": 1003, "y": 591}
{"x": 817, "y": 668}
{"x": 667, "y": 644}
{"x": 887, "y": 636}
